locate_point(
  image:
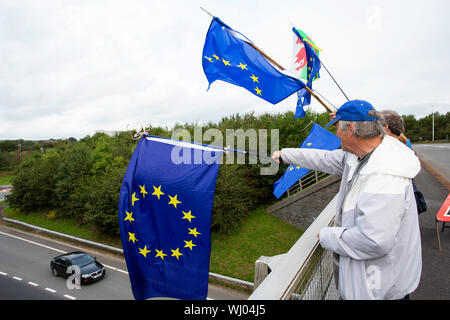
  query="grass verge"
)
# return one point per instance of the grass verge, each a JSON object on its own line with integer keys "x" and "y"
{"x": 70, "y": 226}
{"x": 5, "y": 178}
{"x": 260, "y": 234}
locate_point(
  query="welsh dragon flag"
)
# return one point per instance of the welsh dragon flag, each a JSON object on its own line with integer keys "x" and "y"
{"x": 305, "y": 65}
{"x": 299, "y": 60}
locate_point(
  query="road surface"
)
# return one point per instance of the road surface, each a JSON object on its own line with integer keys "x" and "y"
{"x": 435, "y": 282}
{"x": 25, "y": 272}
{"x": 4, "y": 191}
{"x": 437, "y": 155}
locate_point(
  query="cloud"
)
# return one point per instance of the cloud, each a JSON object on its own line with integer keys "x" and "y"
{"x": 71, "y": 68}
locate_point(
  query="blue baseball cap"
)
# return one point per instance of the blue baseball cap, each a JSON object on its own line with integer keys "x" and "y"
{"x": 355, "y": 110}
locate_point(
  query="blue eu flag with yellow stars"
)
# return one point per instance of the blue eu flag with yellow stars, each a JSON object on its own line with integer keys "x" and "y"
{"x": 165, "y": 216}
{"x": 229, "y": 56}
{"x": 318, "y": 138}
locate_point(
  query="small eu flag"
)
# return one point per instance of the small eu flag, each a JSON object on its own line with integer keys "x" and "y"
{"x": 318, "y": 138}
{"x": 229, "y": 56}
{"x": 165, "y": 216}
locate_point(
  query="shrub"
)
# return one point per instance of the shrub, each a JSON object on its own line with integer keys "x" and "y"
{"x": 233, "y": 197}
{"x": 101, "y": 194}
{"x": 35, "y": 181}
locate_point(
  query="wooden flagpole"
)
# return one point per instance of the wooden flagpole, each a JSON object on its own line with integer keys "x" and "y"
{"x": 281, "y": 68}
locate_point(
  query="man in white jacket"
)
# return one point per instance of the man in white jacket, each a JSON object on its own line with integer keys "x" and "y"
{"x": 376, "y": 237}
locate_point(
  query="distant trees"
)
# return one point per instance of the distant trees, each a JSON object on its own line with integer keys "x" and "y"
{"x": 422, "y": 128}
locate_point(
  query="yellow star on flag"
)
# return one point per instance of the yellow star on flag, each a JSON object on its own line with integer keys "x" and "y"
{"x": 176, "y": 253}
{"x": 174, "y": 200}
{"x": 187, "y": 215}
{"x": 242, "y": 66}
{"x": 258, "y": 91}
{"x": 208, "y": 58}
{"x": 133, "y": 198}
{"x": 309, "y": 144}
{"x": 157, "y": 192}
{"x": 129, "y": 216}
{"x": 254, "y": 78}
{"x": 194, "y": 232}
{"x": 189, "y": 244}
{"x": 160, "y": 254}
{"x": 217, "y": 58}
{"x": 225, "y": 62}
{"x": 132, "y": 237}
{"x": 144, "y": 251}
{"x": 143, "y": 191}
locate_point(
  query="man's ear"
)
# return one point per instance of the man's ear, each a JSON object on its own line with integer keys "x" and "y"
{"x": 350, "y": 129}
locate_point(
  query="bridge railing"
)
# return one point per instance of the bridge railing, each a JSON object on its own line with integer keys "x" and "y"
{"x": 304, "y": 272}
{"x": 306, "y": 181}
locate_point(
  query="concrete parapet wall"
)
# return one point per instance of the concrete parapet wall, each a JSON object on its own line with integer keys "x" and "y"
{"x": 302, "y": 208}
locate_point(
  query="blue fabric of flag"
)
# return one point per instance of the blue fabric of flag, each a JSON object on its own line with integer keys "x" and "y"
{"x": 228, "y": 57}
{"x": 304, "y": 97}
{"x": 318, "y": 138}
{"x": 164, "y": 218}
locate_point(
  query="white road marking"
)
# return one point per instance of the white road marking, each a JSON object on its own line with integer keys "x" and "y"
{"x": 17, "y": 278}
{"x": 57, "y": 250}
{"x": 115, "y": 269}
{"x": 3, "y": 273}
{"x": 50, "y": 290}
{"x": 69, "y": 297}
{"x": 33, "y": 284}
{"x": 32, "y": 242}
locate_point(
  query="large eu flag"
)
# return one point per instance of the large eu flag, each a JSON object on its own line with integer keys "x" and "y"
{"x": 165, "y": 216}
{"x": 229, "y": 56}
{"x": 318, "y": 138}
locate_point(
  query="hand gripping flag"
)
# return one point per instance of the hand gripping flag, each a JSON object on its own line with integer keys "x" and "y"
{"x": 305, "y": 65}
{"x": 164, "y": 218}
{"x": 229, "y": 56}
{"x": 318, "y": 138}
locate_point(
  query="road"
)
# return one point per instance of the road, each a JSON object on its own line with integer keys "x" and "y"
{"x": 4, "y": 191}
{"x": 437, "y": 155}
{"x": 435, "y": 282}
{"x": 26, "y": 259}
{"x": 25, "y": 272}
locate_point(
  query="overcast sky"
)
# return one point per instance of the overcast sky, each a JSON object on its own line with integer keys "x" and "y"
{"x": 69, "y": 68}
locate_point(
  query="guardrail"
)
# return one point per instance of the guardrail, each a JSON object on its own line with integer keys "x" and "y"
{"x": 306, "y": 270}
{"x": 306, "y": 181}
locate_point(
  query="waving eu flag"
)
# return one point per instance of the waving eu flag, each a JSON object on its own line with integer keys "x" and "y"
{"x": 313, "y": 66}
{"x": 164, "y": 217}
{"x": 318, "y": 138}
{"x": 228, "y": 57}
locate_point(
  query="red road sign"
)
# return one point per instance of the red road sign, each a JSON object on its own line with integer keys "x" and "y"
{"x": 444, "y": 214}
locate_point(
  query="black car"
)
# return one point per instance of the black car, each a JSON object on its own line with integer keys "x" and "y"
{"x": 90, "y": 269}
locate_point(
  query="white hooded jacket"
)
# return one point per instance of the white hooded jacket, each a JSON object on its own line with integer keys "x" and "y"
{"x": 376, "y": 232}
